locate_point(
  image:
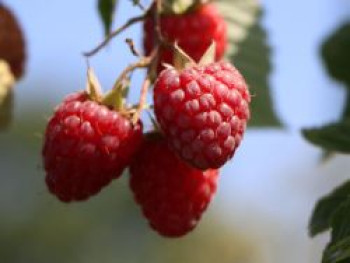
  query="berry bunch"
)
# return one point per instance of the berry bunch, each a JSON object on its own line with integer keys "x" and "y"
{"x": 201, "y": 107}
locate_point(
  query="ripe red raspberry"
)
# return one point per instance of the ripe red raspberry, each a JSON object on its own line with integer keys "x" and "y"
{"x": 203, "y": 112}
{"x": 86, "y": 146}
{"x": 12, "y": 45}
{"x": 172, "y": 194}
{"x": 194, "y": 32}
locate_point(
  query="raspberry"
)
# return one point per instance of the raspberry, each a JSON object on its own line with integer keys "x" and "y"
{"x": 172, "y": 194}
{"x": 193, "y": 31}
{"x": 12, "y": 45}
{"x": 86, "y": 146}
{"x": 203, "y": 111}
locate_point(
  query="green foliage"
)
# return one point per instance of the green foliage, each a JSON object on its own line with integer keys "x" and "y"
{"x": 336, "y": 55}
{"x": 249, "y": 51}
{"x": 338, "y": 250}
{"x": 334, "y": 137}
{"x": 253, "y": 60}
{"x": 326, "y": 207}
{"x": 106, "y": 10}
{"x": 333, "y": 212}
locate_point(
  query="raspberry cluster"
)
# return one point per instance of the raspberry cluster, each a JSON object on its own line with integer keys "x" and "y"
{"x": 201, "y": 107}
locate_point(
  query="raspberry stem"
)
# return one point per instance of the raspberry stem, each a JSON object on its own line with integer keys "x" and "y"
{"x": 119, "y": 30}
{"x": 144, "y": 90}
{"x": 144, "y": 62}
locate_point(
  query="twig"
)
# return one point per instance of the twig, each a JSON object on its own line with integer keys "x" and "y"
{"x": 132, "y": 47}
{"x": 144, "y": 62}
{"x": 138, "y": 3}
{"x": 143, "y": 96}
{"x": 129, "y": 23}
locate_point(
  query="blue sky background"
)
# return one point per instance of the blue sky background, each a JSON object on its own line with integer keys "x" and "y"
{"x": 275, "y": 177}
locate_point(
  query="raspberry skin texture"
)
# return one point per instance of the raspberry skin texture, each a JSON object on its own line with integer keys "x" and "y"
{"x": 203, "y": 111}
{"x": 194, "y": 32}
{"x": 86, "y": 145}
{"x": 12, "y": 43}
{"x": 172, "y": 194}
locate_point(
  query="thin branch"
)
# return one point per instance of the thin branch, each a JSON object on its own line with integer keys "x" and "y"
{"x": 129, "y": 23}
{"x": 157, "y": 21}
{"x": 132, "y": 47}
{"x": 143, "y": 96}
{"x": 140, "y": 5}
{"x": 142, "y": 63}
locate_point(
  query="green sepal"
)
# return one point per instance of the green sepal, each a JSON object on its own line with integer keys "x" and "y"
{"x": 209, "y": 55}
{"x": 181, "y": 59}
{"x": 93, "y": 87}
{"x": 115, "y": 97}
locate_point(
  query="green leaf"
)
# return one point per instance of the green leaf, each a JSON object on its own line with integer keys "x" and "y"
{"x": 181, "y": 59}
{"x": 336, "y": 54}
{"x": 250, "y": 53}
{"x": 334, "y": 137}
{"x": 341, "y": 221}
{"x": 106, "y": 10}
{"x": 321, "y": 218}
{"x": 337, "y": 252}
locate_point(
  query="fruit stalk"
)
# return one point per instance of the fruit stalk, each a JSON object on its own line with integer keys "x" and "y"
{"x": 119, "y": 30}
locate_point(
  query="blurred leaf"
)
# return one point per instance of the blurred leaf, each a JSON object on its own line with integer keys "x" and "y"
{"x": 341, "y": 221}
{"x": 334, "y": 137}
{"x": 337, "y": 252}
{"x": 336, "y": 54}
{"x": 326, "y": 207}
{"x": 249, "y": 51}
{"x": 106, "y": 9}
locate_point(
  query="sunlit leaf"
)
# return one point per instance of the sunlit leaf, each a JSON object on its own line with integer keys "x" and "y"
{"x": 249, "y": 51}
